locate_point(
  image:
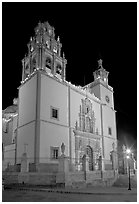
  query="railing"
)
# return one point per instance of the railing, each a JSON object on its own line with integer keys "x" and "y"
{"x": 46, "y": 164}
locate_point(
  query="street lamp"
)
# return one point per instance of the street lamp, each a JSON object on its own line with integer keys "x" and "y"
{"x": 128, "y": 151}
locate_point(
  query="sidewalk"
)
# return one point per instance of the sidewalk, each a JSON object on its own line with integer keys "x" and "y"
{"x": 87, "y": 190}
{"x": 95, "y": 190}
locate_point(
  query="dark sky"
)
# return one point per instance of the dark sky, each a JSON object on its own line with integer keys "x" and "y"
{"x": 87, "y": 32}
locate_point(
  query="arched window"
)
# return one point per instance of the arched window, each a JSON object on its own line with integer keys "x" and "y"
{"x": 88, "y": 124}
{"x": 27, "y": 71}
{"x": 58, "y": 69}
{"x": 47, "y": 44}
{"x": 34, "y": 63}
{"x": 48, "y": 62}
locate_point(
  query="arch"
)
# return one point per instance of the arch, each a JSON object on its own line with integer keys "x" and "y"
{"x": 27, "y": 71}
{"x": 48, "y": 62}
{"x": 87, "y": 158}
{"x": 58, "y": 68}
{"x": 33, "y": 63}
{"x": 89, "y": 152}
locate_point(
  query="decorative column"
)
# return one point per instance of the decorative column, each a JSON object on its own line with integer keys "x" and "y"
{"x": 23, "y": 68}
{"x": 53, "y": 68}
{"x": 80, "y": 121}
{"x": 59, "y": 46}
{"x": 64, "y": 67}
{"x": 40, "y": 56}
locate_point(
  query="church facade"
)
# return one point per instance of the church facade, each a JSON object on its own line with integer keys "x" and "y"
{"x": 53, "y": 112}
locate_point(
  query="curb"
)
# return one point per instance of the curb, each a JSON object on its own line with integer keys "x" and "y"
{"x": 68, "y": 192}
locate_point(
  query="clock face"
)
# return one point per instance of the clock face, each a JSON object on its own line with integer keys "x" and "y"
{"x": 107, "y": 99}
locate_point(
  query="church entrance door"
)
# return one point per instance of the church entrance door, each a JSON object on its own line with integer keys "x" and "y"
{"x": 87, "y": 159}
{"x": 89, "y": 152}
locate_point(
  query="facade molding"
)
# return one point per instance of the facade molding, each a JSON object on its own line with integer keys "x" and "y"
{"x": 37, "y": 121}
{"x": 47, "y": 121}
{"x": 25, "y": 124}
{"x": 86, "y": 134}
{"x": 69, "y": 122}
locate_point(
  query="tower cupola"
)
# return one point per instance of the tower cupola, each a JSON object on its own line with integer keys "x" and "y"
{"x": 44, "y": 53}
{"x": 101, "y": 74}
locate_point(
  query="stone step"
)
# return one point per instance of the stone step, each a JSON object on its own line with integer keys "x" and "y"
{"x": 80, "y": 184}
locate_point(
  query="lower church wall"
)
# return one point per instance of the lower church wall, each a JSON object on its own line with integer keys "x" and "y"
{"x": 72, "y": 179}
{"x": 35, "y": 178}
{"x": 91, "y": 176}
{"x": 52, "y": 135}
{"x": 83, "y": 179}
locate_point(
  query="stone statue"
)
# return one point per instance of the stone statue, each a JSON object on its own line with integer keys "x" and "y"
{"x": 63, "y": 148}
{"x": 124, "y": 148}
{"x": 113, "y": 146}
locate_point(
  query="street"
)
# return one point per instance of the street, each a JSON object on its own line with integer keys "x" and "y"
{"x": 44, "y": 196}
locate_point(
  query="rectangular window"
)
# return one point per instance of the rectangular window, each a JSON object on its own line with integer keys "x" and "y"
{"x": 54, "y": 113}
{"x": 109, "y": 131}
{"x": 54, "y": 152}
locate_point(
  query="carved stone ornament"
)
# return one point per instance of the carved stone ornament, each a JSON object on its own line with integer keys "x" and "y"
{"x": 86, "y": 117}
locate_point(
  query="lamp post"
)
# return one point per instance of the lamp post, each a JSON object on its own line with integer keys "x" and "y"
{"x": 128, "y": 157}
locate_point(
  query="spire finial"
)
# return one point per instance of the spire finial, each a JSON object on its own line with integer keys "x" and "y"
{"x": 100, "y": 63}
{"x": 58, "y": 39}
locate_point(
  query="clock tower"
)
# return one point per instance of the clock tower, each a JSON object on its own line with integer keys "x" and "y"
{"x": 100, "y": 88}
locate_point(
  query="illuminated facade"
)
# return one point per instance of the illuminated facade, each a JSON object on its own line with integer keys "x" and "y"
{"x": 52, "y": 111}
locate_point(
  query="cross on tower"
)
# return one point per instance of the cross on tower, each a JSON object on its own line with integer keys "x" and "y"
{"x": 100, "y": 63}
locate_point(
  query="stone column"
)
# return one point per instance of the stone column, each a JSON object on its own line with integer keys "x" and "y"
{"x": 63, "y": 168}
{"x": 24, "y": 163}
{"x": 114, "y": 160}
{"x": 103, "y": 164}
{"x": 63, "y": 164}
{"x": 87, "y": 163}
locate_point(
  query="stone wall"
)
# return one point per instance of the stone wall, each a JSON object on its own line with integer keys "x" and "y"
{"x": 34, "y": 178}
{"x": 37, "y": 178}
{"x": 47, "y": 167}
{"x": 94, "y": 175}
{"x": 108, "y": 174}
{"x": 90, "y": 178}
{"x": 76, "y": 176}
{"x": 78, "y": 179}
{"x": 10, "y": 177}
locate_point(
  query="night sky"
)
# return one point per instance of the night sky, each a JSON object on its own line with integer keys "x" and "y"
{"x": 88, "y": 32}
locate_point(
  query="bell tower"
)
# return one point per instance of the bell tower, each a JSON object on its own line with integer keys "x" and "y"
{"x": 43, "y": 66}
{"x": 101, "y": 74}
{"x": 100, "y": 86}
{"x": 44, "y": 53}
